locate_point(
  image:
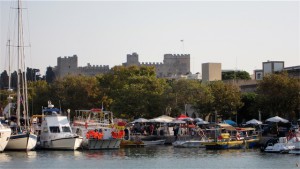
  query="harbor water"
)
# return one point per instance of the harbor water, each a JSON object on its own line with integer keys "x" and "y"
{"x": 160, "y": 157}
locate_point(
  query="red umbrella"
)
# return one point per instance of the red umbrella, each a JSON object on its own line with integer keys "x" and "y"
{"x": 182, "y": 116}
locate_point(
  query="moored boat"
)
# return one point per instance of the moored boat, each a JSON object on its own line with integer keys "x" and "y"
{"x": 192, "y": 143}
{"x": 54, "y": 130}
{"x": 131, "y": 140}
{"x": 154, "y": 142}
{"x": 22, "y": 141}
{"x": 188, "y": 143}
{"x": 280, "y": 145}
{"x": 5, "y": 133}
{"x": 21, "y": 138}
{"x": 294, "y": 139}
{"x": 97, "y": 129}
{"x": 224, "y": 136}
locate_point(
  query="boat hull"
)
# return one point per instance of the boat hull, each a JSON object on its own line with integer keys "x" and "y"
{"x": 23, "y": 142}
{"x": 188, "y": 144}
{"x": 154, "y": 142}
{"x": 4, "y": 138}
{"x": 297, "y": 152}
{"x": 279, "y": 148}
{"x": 95, "y": 144}
{"x": 129, "y": 143}
{"x": 71, "y": 143}
{"x": 224, "y": 145}
{"x": 252, "y": 143}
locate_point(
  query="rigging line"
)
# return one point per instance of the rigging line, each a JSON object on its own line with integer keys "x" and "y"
{"x": 29, "y": 40}
{"x": 18, "y": 68}
{"x": 23, "y": 68}
{"x": 8, "y": 38}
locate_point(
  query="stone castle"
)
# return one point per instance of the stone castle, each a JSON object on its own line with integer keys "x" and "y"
{"x": 177, "y": 64}
{"x": 69, "y": 66}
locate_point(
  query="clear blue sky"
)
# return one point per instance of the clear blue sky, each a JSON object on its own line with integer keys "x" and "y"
{"x": 240, "y": 35}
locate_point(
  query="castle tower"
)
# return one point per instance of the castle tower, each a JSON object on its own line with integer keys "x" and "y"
{"x": 66, "y": 66}
{"x": 177, "y": 64}
{"x": 132, "y": 59}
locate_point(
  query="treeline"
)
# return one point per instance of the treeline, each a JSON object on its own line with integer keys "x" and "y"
{"x": 32, "y": 74}
{"x": 136, "y": 92}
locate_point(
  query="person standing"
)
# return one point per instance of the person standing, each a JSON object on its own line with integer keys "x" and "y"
{"x": 151, "y": 129}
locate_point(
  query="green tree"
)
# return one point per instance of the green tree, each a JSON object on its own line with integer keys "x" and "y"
{"x": 249, "y": 110}
{"x": 182, "y": 92}
{"x": 279, "y": 94}
{"x": 71, "y": 92}
{"x": 50, "y": 75}
{"x": 32, "y": 74}
{"x": 226, "y": 99}
{"x": 38, "y": 95}
{"x": 244, "y": 75}
{"x": 4, "y": 80}
{"x": 77, "y": 92}
{"x": 133, "y": 91}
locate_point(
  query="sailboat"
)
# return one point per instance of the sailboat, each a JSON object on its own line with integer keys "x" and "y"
{"x": 21, "y": 138}
{"x": 5, "y": 133}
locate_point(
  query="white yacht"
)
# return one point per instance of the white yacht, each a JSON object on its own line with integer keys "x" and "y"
{"x": 282, "y": 146}
{"x": 5, "y": 133}
{"x": 54, "y": 130}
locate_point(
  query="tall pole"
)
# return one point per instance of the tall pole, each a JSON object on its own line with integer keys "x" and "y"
{"x": 215, "y": 116}
{"x": 182, "y": 41}
{"x": 18, "y": 68}
{"x": 9, "y": 79}
{"x": 236, "y": 117}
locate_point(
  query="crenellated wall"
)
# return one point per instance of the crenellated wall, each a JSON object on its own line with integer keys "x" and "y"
{"x": 69, "y": 66}
{"x": 173, "y": 64}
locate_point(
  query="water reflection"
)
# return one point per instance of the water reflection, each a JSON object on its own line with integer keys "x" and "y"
{"x": 5, "y": 157}
{"x": 148, "y": 158}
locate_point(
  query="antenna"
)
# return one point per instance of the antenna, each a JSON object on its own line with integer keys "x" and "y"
{"x": 182, "y": 46}
{"x": 235, "y": 71}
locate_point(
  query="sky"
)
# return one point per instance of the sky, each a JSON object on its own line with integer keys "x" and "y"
{"x": 238, "y": 34}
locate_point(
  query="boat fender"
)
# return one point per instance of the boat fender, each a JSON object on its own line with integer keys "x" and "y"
{"x": 238, "y": 137}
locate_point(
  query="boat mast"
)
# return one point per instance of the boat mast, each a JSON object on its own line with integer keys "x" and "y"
{"x": 9, "y": 79}
{"x": 18, "y": 69}
{"x": 22, "y": 68}
{"x": 19, "y": 55}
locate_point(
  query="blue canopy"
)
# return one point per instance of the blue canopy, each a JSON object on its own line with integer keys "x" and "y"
{"x": 51, "y": 110}
{"x": 230, "y": 122}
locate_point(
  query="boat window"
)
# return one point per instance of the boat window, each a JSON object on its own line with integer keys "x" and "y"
{"x": 54, "y": 129}
{"x": 45, "y": 129}
{"x": 66, "y": 129}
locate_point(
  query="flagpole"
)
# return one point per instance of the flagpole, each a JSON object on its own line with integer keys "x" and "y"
{"x": 182, "y": 46}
